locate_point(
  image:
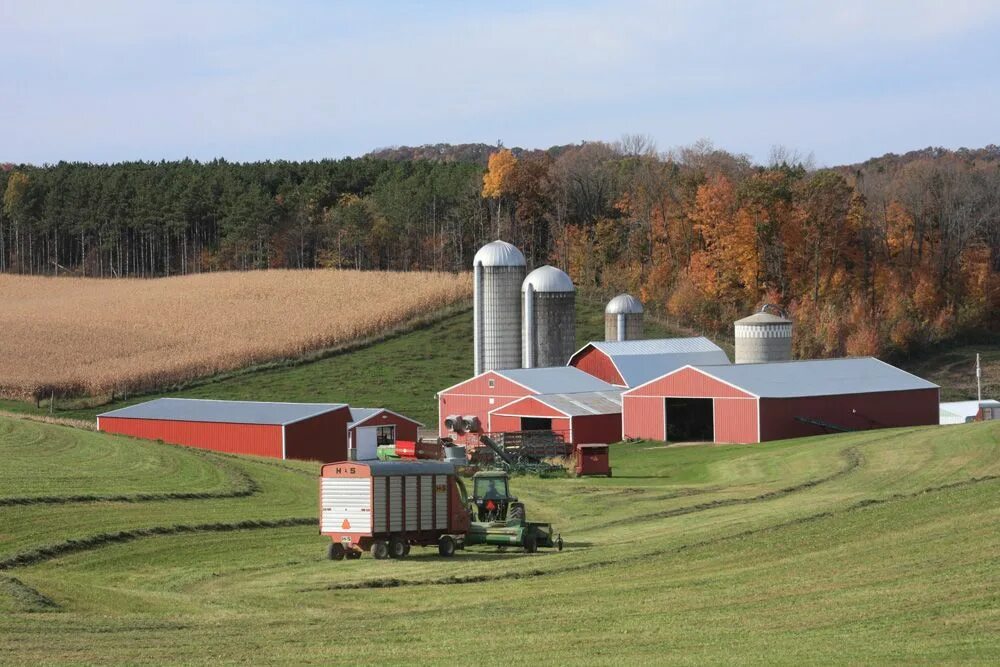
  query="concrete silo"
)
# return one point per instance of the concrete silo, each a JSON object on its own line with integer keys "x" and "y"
{"x": 763, "y": 337}
{"x": 498, "y": 271}
{"x": 623, "y": 318}
{"x": 549, "y": 318}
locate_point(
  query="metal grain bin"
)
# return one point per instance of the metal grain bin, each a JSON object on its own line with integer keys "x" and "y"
{"x": 623, "y": 319}
{"x": 762, "y": 338}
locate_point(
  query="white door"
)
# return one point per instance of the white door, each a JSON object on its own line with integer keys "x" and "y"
{"x": 365, "y": 440}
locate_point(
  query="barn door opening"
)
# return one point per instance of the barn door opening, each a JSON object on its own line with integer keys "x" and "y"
{"x": 689, "y": 420}
{"x": 536, "y": 424}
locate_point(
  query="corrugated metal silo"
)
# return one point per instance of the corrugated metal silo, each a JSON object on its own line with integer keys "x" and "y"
{"x": 623, "y": 318}
{"x": 763, "y": 337}
{"x": 498, "y": 270}
{"x": 549, "y": 318}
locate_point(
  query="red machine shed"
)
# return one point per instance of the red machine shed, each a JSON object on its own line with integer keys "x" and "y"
{"x": 587, "y": 417}
{"x": 748, "y": 403}
{"x": 630, "y": 363}
{"x": 311, "y": 431}
{"x": 371, "y": 427}
{"x": 481, "y": 395}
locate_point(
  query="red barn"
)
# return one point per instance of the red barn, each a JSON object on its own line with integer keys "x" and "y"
{"x": 371, "y": 427}
{"x": 480, "y": 396}
{"x": 747, "y": 403}
{"x": 280, "y": 430}
{"x": 587, "y": 417}
{"x": 630, "y": 363}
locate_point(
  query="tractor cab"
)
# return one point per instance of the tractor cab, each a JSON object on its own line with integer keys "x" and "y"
{"x": 491, "y": 497}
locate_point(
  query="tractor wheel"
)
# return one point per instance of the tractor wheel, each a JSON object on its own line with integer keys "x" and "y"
{"x": 353, "y": 554}
{"x": 530, "y": 542}
{"x": 398, "y": 547}
{"x": 380, "y": 550}
{"x": 446, "y": 546}
{"x": 335, "y": 551}
{"x": 516, "y": 512}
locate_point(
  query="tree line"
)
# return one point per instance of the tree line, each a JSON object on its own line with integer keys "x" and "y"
{"x": 893, "y": 253}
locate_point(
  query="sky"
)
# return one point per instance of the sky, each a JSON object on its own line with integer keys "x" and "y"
{"x": 109, "y": 80}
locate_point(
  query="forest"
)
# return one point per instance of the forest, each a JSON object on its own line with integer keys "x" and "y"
{"x": 889, "y": 255}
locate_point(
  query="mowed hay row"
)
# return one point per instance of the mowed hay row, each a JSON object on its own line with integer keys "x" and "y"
{"x": 77, "y": 336}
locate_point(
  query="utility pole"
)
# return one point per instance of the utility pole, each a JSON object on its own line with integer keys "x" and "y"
{"x": 979, "y": 380}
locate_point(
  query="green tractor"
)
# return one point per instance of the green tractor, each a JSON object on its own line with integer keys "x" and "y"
{"x": 499, "y": 518}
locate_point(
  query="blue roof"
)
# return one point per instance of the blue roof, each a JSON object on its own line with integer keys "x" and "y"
{"x": 225, "y": 412}
{"x": 555, "y": 380}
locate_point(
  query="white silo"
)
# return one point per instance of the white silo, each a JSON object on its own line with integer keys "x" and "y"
{"x": 549, "y": 318}
{"x": 623, "y": 318}
{"x": 498, "y": 271}
{"x": 763, "y": 337}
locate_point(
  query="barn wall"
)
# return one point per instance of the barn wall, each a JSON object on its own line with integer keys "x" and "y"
{"x": 598, "y": 364}
{"x": 473, "y": 397}
{"x": 889, "y": 409}
{"x": 254, "y": 439}
{"x": 735, "y": 420}
{"x": 643, "y": 417}
{"x": 319, "y": 438}
{"x": 597, "y": 429}
{"x": 406, "y": 429}
{"x": 688, "y": 383}
{"x": 500, "y": 423}
{"x": 529, "y": 407}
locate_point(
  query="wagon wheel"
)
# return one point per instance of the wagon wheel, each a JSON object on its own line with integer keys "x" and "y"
{"x": 447, "y": 546}
{"x": 380, "y": 550}
{"x": 398, "y": 548}
{"x": 335, "y": 551}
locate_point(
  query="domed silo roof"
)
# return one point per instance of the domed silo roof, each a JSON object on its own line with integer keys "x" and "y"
{"x": 623, "y": 303}
{"x": 763, "y": 318}
{"x": 499, "y": 253}
{"x": 548, "y": 279}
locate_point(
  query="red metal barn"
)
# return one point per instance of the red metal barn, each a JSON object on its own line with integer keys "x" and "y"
{"x": 746, "y": 403}
{"x": 587, "y": 417}
{"x": 315, "y": 431}
{"x": 634, "y": 362}
{"x": 479, "y": 396}
{"x": 371, "y": 427}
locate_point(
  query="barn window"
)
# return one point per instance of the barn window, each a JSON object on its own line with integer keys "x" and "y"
{"x": 386, "y": 435}
{"x": 492, "y": 383}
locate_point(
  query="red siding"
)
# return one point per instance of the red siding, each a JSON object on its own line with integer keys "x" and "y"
{"x": 597, "y": 429}
{"x": 528, "y": 406}
{"x": 255, "y": 439}
{"x": 598, "y": 364}
{"x": 320, "y": 438}
{"x": 688, "y": 383}
{"x": 856, "y": 411}
{"x": 643, "y": 417}
{"x": 406, "y": 428}
{"x": 735, "y": 420}
{"x": 473, "y": 398}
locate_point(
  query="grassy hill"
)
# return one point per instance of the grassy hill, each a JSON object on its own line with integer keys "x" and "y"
{"x": 858, "y": 548}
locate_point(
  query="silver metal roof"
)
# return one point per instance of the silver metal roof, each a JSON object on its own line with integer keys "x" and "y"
{"x": 585, "y": 403}
{"x": 763, "y": 318}
{"x": 227, "y": 412}
{"x": 817, "y": 377}
{"x": 548, "y": 279}
{"x": 623, "y": 303}
{"x": 361, "y": 414}
{"x": 499, "y": 253}
{"x": 555, "y": 380}
{"x": 968, "y": 408}
{"x": 639, "y": 361}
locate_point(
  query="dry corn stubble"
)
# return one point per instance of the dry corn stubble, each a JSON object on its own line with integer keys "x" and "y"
{"x": 91, "y": 336}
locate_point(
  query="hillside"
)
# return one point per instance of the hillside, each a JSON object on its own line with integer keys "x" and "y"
{"x": 77, "y": 336}
{"x": 859, "y": 548}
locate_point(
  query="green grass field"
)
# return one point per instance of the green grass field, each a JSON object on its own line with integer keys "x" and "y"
{"x": 402, "y": 373}
{"x": 877, "y": 547}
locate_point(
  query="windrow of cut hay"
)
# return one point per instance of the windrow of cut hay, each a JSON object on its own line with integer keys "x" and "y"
{"x": 84, "y": 336}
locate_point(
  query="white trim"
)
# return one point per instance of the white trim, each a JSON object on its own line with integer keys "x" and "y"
{"x": 284, "y": 451}
{"x": 495, "y": 411}
{"x": 758, "y": 420}
{"x": 98, "y": 422}
{"x": 664, "y": 413}
{"x": 703, "y": 372}
{"x": 382, "y": 410}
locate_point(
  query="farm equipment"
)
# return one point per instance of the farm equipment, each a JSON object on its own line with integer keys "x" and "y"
{"x": 519, "y": 453}
{"x": 385, "y": 507}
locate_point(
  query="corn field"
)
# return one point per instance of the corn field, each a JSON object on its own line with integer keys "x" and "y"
{"x": 83, "y": 336}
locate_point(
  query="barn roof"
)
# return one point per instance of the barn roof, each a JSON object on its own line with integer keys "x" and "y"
{"x": 555, "y": 380}
{"x": 584, "y": 404}
{"x": 360, "y": 415}
{"x": 968, "y": 408}
{"x": 817, "y": 377}
{"x": 639, "y": 361}
{"x": 227, "y": 412}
